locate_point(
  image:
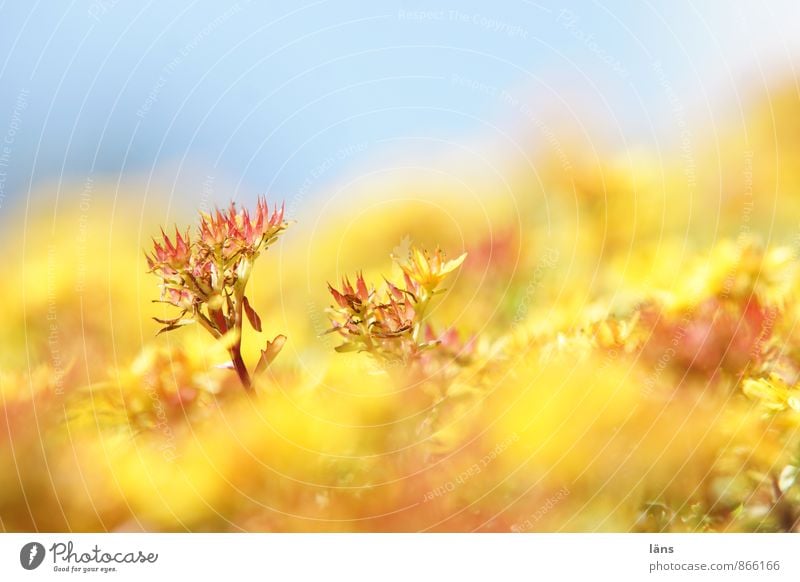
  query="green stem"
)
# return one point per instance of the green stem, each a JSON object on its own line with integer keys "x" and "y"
{"x": 420, "y": 310}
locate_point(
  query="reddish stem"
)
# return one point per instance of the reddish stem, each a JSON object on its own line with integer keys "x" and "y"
{"x": 238, "y": 364}
{"x": 236, "y": 349}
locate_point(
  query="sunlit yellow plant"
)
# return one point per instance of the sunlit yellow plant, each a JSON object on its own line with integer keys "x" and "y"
{"x": 649, "y": 380}
{"x": 206, "y": 277}
{"x": 391, "y": 324}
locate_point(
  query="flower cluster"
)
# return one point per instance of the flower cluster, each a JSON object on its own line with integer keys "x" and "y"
{"x": 205, "y": 277}
{"x": 711, "y": 337}
{"x": 390, "y": 324}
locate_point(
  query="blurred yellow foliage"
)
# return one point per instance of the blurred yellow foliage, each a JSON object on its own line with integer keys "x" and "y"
{"x": 634, "y": 363}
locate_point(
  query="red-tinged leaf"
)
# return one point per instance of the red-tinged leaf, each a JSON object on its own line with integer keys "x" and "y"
{"x": 181, "y": 245}
{"x": 410, "y": 285}
{"x": 347, "y": 287}
{"x": 338, "y": 297}
{"x": 218, "y": 319}
{"x": 171, "y": 324}
{"x": 346, "y": 348}
{"x": 393, "y": 290}
{"x": 361, "y": 285}
{"x": 252, "y": 316}
{"x": 167, "y": 243}
{"x": 175, "y": 325}
{"x": 269, "y": 354}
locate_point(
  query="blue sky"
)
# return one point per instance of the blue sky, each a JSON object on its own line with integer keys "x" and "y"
{"x": 283, "y": 96}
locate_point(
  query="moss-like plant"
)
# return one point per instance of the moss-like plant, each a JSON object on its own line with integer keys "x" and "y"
{"x": 206, "y": 276}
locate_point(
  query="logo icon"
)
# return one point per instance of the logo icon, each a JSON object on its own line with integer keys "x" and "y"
{"x": 400, "y": 252}
{"x": 31, "y": 555}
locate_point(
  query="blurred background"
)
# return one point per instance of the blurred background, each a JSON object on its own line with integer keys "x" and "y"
{"x": 296, "y": 98}
{"x": 608, "y": 167}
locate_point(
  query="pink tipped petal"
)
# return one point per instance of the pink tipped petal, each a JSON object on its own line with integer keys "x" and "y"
{"x": 363, "y": 294}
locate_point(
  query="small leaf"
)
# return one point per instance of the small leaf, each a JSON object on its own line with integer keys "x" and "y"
{"x": 451, "y": 266}
{"x": 793, "y": 402}
{"x": 218, "y": 319}
{"x": 429, "y": 345}
{"x": 252, "y": 316}
{"x": 166, "y": 329}
{"x": 172, "y": 324}
{"x": 269, "y": 354}
{"x": 346, "y": 348}
{"x": 788, "y": 478}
